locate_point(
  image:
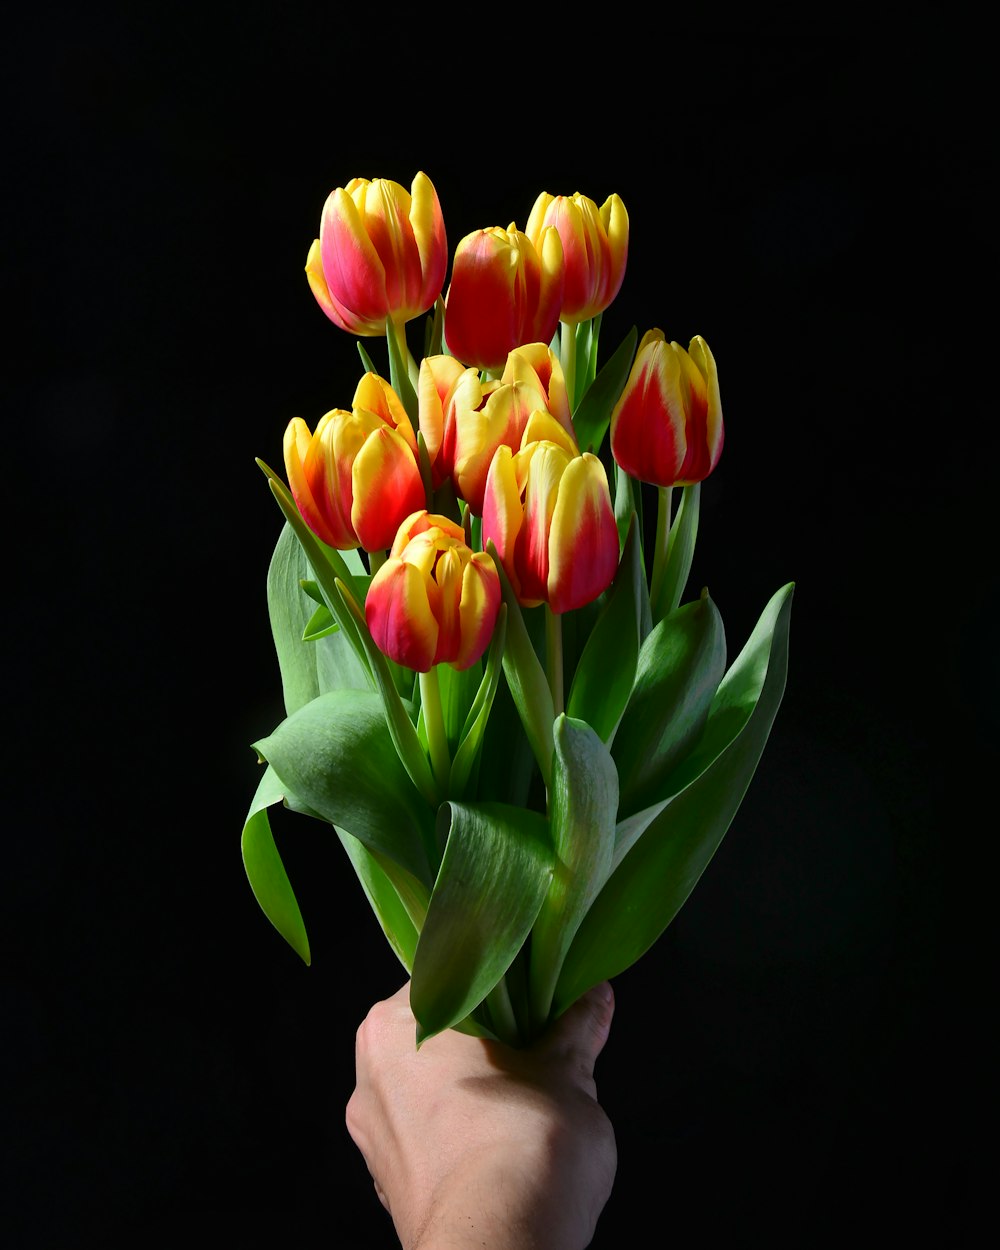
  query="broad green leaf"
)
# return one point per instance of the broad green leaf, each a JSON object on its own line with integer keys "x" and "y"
{"x": 582, "y": 809}
{"x": 680, "y": 667}
{"x": 606, "y": 669}
{"x": 265, "y": 871}
{"x": 680, "y": 552}
{"x": 337, "y": 756}
{"x": 494, "y": 874}
{"x": 655, "y": 878}
{"x": 376, "y": 875}
{"x": 592, "y": 417}
{"x": 327, "y": 564}
{"x": 307, "y": 669}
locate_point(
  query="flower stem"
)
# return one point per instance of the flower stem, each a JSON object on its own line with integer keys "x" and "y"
{"x": 398, "y": 332}
{"x": 554, "y": 657}
{"x": 375, "y": 561}
{"x": 437, "y": 741}
{"x": 567, "y": 358}
{"x": 660, "y": 549}
{"x": 502, "y": 1014}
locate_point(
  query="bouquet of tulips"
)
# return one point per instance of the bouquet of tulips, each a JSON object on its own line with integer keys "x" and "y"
{"x": 526, "y": 735}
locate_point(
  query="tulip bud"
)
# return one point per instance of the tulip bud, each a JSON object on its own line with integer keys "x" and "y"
{"x": 594, "y": 245}
{"x": 667, "y": 425}
{"x": 504, "y": 291}
{"x": 381, "y": 253}
{"x": 356, "y": 477}
{"x": 434, "y": 600}
{"x": 548, "y": 512}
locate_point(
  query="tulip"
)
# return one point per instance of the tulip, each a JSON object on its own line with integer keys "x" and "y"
{"x": 381, "y": 254}
{"x": 356, "y": 476}
{"x": 548, "y": 512}
{"x": 464, "y": 420}
{"x": 594, "y": 245}
{"x": 434, "y": 600}
{"x": 667, "y": 425}
{"x": 504, "y": 291}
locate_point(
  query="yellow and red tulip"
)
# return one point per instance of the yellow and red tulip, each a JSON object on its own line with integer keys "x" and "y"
{"x": 464, "y": 420}
{"x": 548, "y": 512}
{"x": 504, "y": 291}
{"x": 356, "y": 476}
{"x": 667, "y": 425}
{"x": 434, "y": 600}
{"x": 595, "y": 249}
{"x": 381, "y": 254}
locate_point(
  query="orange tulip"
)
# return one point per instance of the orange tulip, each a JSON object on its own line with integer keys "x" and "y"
{"x": 356, "y": 476}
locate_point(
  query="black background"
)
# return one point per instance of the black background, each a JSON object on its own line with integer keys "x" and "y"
{"x": 800, "y": 1056}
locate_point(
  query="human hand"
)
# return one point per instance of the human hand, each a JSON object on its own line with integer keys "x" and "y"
{"x": 472, "y": 1143}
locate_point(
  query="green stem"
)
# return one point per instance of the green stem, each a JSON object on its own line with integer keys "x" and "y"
{"x": 375, "y": 561}
{"x": 567, "y": 358}
{"x": 663, "y": 502}
{"x": 437, "y": 741}
{"x": 554, "y": 658}
{"x": 502, "y": 1014}
{"x": 398, "y": 332}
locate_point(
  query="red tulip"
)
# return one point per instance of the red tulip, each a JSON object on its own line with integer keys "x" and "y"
{"x": 667, "y": 426}
{"x": 504, "y": 291}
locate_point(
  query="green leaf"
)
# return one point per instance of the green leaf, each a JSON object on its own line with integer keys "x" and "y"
{"x": 582, "y": 809}
{"x": 404, "y": 736}
{"x": 326, "y": 563}
{"x": 680, "y": 666}
{"x": 376, "y": 874}
{"x": 606, "y": 669}
{"x": 680, "y": 551}
{"x": 526, "y": 677}
{"x": 320, "y": 625}
{"x": 496, "y": 868}
{"x": 594, "y": 414}
{"x": 399, "y": 376}
{"x": 467, "y": 754}
{"x": 366, "y": 360}
{"x": 265, "y": 871}
{"x": 655, "y": 878}
{"x": 307, "y": 669}
{"x": 337, "y": 756}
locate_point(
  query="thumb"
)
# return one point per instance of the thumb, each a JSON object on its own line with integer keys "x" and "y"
{"x": 584, "y": 1027}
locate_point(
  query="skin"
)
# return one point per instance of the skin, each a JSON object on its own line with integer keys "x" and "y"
{"x": 472, "y": 1144}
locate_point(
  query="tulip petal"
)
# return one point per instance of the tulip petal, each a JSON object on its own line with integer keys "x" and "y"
{"x": 478, "y": 608}
{"x": 583, "y": 537}
{"x": 399, "y": 616}
{"x": 503, "y": 513}
{"x": 387, "y": 488}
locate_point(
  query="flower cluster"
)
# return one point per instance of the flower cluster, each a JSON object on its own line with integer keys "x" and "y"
{"x": 472, "y": 524}
{"x": 493, "y": 409}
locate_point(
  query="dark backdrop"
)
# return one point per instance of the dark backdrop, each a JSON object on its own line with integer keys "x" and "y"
{"x": 798, "y": 1058}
